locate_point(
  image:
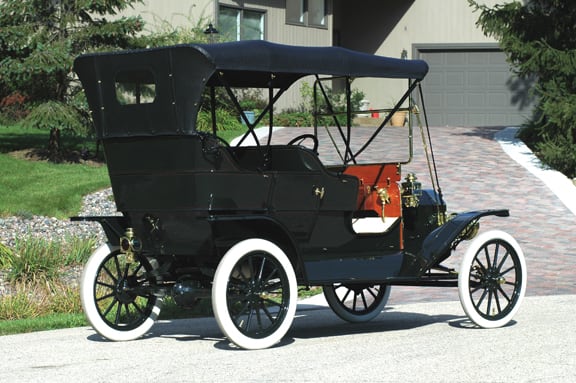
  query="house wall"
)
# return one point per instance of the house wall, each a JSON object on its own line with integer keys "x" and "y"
{"x": 388, "y": 27}
{"x": 180, "y": 13}
{"x": 383, "y": 27}
{"x": 158, "y": 14}
{"x": 276, "y": 29}
{"x": 174, "y": 12}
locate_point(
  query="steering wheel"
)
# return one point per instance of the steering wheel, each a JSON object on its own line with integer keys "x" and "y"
{"x": 222, "y": 141}
{"x": 211, "y": 142}
{"x": 303, "y": 137}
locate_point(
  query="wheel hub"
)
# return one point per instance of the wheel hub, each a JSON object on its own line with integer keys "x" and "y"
{"x": 124, "y": 293}
{"x": 254, "y": 293}
{"x": 492, "y": 279}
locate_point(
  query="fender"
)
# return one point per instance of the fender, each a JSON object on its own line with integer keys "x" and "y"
{"x": 437, "y": 245}
{"x": 229, "y": 229}
{"x": 440, "y": 242}
{"x": 114, "y": 226}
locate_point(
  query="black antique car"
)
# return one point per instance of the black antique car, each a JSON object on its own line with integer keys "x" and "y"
{"x": 246, "y": 224}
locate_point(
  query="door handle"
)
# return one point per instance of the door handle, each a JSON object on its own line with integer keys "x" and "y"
{"x": 319, "y": 191}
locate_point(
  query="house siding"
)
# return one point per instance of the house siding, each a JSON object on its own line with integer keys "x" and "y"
{"x": 181, "y": 13}
{"x": 382, "y": 27}
{"x": 173, "y": 12}
{"x": 392, "y": 26}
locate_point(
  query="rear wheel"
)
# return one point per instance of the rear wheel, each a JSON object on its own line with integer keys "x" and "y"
{"x": 115, "y": 295}
{"x": 254, "y": 294}
{"x": 492, "y": 279}
{"x": 357, "y": 302}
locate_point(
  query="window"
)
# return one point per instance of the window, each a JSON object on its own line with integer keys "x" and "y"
{"x": 135, "y": 87}
{"x": 240, "y": 24}
{"x": 306, "y": 12}
{"x": 316, "y": 12}
{"x": 295, "y": 11}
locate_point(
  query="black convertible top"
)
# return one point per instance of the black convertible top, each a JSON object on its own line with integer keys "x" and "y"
{"x": 264, "y": 57}
{"x": 180, "y": 73}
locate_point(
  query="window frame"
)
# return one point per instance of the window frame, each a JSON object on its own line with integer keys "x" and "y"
{"x": 304, "y": 14}
{"x": 240, "y": 11}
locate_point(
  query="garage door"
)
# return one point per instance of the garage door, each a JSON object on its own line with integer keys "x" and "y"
{"x": 472, "y": 87}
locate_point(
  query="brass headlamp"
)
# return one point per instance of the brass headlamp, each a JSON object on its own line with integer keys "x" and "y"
{"x": 411, "y": 191}
{"x": 129, "y": 244}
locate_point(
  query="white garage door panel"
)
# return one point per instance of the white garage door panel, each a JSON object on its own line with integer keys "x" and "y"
{"x": 469, "y": 87}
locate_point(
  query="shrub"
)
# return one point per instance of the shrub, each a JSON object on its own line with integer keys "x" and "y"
{"x": 35, "y": 269}
{"x": 5, "y": 255}
{"x": 554, "y": 146}
{"x": 54, "y": 114}
{"x": 64, "y": 299}
{"x": 294, "y": 119}
{"x": 225, "y": 121}
{"x": 251, "y": 99}
{"x": 40, "y": 298}
{"x": 13, "y": 108}
{"x": 76, "y": 250}
{"x": 35, "y": 259}
{"x": 337, "y": 103}
{"x": 25, "y": 302}
{"x": 559, "y": 154}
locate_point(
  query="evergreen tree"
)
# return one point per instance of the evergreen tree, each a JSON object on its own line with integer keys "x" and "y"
{"x": 539, "y": 39}
{"x": 39, "y": 40}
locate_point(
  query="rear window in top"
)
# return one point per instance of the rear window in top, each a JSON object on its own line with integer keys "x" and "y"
{"x": 135, "y": 87}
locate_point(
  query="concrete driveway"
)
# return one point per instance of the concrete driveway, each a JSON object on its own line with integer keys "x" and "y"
{"x": 423, "y": 342}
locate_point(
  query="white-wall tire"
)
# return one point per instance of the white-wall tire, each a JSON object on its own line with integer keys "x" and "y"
{"x": 357, "y": 303}
{"x": 254, "y": 294}
{"x": 492, "y": 279}
{"x": 100, "y": 300}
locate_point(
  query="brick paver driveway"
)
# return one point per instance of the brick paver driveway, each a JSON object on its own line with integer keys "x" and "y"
{"x": 475, "y": 173}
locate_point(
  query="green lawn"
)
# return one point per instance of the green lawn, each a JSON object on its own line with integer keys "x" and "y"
{"x": 16, "y": 137}
{"x": 41, "y": 188}
{"x": 48, "y": 322}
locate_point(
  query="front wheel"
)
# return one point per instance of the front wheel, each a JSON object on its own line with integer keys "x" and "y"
{"x": 254, "y": 294}
{"x": 492, "y": 279}
{"x": 356, "y": 303}
{"x": 116, "y": 297}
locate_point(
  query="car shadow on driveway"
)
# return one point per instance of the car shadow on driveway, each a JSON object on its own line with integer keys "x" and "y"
{"x": 310, "y": 322}
{"x": 324, "y": 323}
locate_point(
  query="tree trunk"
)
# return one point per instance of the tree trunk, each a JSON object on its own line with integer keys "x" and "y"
{"x": 54, "y": 145}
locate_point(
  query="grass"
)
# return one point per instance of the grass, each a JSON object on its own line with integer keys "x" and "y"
{"x": 229, "y": 135}
{"x": 39, "y": 187}
{"x": 41, "y": 301}
{"x": 35, "y": 259}
{"x": 47, "y": 322}
{"x": 54, "y": 321}
{"x": 15, "y": 137}
{"x": 57, "y": 320}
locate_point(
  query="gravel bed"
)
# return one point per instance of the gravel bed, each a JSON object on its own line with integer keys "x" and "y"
{"x": 53, "y": 229}
{"x": 13, "y": 229}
